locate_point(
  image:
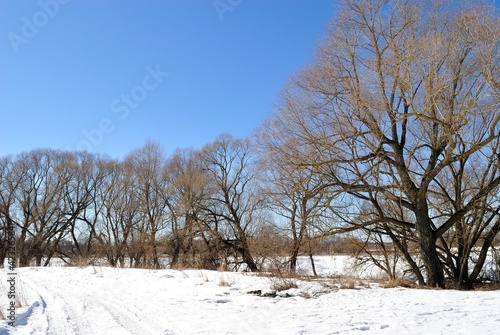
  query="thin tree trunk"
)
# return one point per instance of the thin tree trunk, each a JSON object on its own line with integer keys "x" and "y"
{"x": 313, "y": 266}
{"x": 484, "y": 251}
{"x": 293, "y": 259}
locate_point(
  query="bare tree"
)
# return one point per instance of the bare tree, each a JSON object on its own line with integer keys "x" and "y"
{"x": 297, "y": 194}
{"x": 119, "y": 216}
{"x": 469, "y": 240}
{"x": 148, "y": 163}
{"x": 38, "y": 211}
{"x": 83, "y": 206}
{"x": 6, "y": 201}
{"x": 400, "y": 91}
{"x": 187, "y": 186}
{"x": 230, "y": 207}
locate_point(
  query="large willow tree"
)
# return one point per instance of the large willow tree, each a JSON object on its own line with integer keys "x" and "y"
{"x": 401, "y": 96}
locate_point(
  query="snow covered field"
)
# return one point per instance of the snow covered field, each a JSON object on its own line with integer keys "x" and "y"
{"x": 103, "y": 300}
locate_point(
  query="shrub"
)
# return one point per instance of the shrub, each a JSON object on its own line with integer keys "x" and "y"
{"x": 283, "y": 284}
{"x": 348, "y": 283}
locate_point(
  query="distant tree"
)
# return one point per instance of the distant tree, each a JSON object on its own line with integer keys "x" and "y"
{"x": 147, "y": 164}
{"x": 81, "y": 206}
{"x": 296, "y": 194}
{"x": 228, "y": 210}
{"x": 38, "y": 208}
{"x": 6, "y": 202}
{"x": 187, "y": 188}
{"x": 119, "y": 215}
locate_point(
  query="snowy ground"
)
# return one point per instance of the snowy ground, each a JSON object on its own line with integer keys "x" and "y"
{"x": 103, "y": 300}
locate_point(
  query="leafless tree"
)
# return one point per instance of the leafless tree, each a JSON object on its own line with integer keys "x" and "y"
{"x": 6, "y": 202}
{"x": 230, "y": 206}
{"x": 119, "y": 216}
{"x": 148, "y": 164}
{"x": 469, "y": 240}
{"x": 187, "y": 187}
{"x": 38, "y": 208}
{"x": 83, "y": 206}
{"x": 296, "y": 194}
{"x": 398, "y": 93}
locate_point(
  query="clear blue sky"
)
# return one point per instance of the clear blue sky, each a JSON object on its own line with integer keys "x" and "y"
{"x": 92, "y": 74}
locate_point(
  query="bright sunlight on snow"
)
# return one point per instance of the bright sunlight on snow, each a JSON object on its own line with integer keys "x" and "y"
{"x": 103, "y": 300}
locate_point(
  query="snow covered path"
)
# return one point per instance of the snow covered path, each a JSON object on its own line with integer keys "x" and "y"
{"x": 129, "y": 301}
{"x": 62, "y": 305}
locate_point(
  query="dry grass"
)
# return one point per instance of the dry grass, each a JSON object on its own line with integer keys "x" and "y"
{"x": 347, "y": 282}
{"x": 288, "y": 275}
{"x": 398, "y": 282}
{"x": 486, "y": 286}
{"x": 81, "y": 262}
{"x": 223, "y": 282}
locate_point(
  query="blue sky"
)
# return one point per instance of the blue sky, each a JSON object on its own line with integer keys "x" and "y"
{"x": 106, "y": 75}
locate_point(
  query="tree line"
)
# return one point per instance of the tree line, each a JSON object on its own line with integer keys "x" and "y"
{"x": 391, "y": 134}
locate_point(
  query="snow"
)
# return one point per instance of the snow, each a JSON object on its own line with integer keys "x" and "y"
{"x": 103, "y": 300}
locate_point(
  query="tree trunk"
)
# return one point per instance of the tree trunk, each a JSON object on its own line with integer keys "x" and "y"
{"x": 175, "y": 253}
{"x": 430, "y": 257}
{"x": 249, "y": 261}
{"x": 154, "y": 249}
{"x": 294, "y": 256}
{"x": 488, "y": 240}
{"x": 244, "y": 250}
{"x": 313, "y": 266}
{"x": 427, "y": 243}
{"x": 293, "y": 262}
{"x": 111, "y": 261}
{"x": 462, "y": 280}
{"x": 121, "y": 261}
{"x": 403, "y": 248}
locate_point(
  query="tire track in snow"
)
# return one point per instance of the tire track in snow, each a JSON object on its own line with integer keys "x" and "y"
{"x": 83, "y": 311}
{"x": 54, "y": 315}
{"x": 129, "y": 321}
